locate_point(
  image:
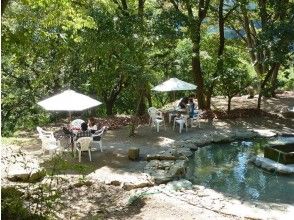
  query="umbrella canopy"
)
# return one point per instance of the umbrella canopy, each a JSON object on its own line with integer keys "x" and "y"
{"x": 68, "y": 100}
{"x": 174, "y": 84}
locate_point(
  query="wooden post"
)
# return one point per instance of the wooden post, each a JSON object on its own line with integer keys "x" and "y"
{"x": 133, "y": 153}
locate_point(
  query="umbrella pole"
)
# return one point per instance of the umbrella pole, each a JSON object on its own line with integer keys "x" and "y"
{"x": 69, "y": 118}
{"x": 71, "y": 138}
{"x": 174, "y": 96}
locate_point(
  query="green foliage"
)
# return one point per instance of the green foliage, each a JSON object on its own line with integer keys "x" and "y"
{"x": 12, "y": 205}
{"x": 115, "y": 55}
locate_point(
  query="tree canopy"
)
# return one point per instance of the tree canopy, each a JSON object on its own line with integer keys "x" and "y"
{"x": 117, "y": 50}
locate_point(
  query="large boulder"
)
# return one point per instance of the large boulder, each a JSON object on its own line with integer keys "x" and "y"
{"x": 125, "y": 179}
{"x": 176, "y": 153}
{"x": 272, "y": 166}
{"x": 30, "y": 171}
{"x": 163, "y": 171}
{"x": 178, "y": 185}
{"x": 19, "y": 166}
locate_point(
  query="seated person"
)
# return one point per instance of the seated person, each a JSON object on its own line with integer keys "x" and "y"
{"x": 183, "y": 103}
{"x": 91, "y": 125}
{"x": 84, "y": 132}
{"x": 97, "y": 134}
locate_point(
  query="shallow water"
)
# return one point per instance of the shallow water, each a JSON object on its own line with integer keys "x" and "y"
{"x": 225, "y": 168}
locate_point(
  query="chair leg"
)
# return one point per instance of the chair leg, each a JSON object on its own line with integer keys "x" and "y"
{"x": 181, "y": 127}
{"x": 80, "y": 152}
{"x": 89, "y": 151}
{"x": 157, "y": 127}
{"x": 100, "y": 144}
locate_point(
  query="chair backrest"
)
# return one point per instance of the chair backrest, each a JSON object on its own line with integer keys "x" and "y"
{"x": 152, "y": 111}
{"x": 84, "y": 143}
{"x": 46, "y": 137}
{"x": 45, "y": 134}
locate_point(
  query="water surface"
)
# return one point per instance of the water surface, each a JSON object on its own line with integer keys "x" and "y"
{"x": 225, "y": 168}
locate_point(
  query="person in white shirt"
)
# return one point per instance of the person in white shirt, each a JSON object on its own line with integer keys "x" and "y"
{"x": 92, "y": 125}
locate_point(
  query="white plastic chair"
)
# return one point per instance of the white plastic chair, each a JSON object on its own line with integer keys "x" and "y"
{"x": 196, "y": 118}
{"x": 156, "y": 118}
{"x": 49, "y": 142}
{"x": 99, "y": 134}
{"x": 83, "y": 144}
{"x": 182, "y": 120}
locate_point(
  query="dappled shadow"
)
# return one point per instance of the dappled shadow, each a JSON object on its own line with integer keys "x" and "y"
{"x": 130, "y": 210}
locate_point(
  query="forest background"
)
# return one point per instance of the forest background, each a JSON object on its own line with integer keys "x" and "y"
{"x": 116, "y": 50}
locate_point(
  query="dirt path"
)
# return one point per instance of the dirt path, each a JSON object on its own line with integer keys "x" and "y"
{"x": 177, "y": 206}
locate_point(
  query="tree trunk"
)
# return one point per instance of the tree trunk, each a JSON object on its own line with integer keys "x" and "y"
{"x": 274, "y": 82}
{"x": 196, "y": 67}
{"x": 221, "y": 48}
{"x": 208, "y": 99}
{"x": 4, "y": 4}
{"x": 264, "y": 82}
{"x": 229, "y": 103}
{"x": 109, "y": 107}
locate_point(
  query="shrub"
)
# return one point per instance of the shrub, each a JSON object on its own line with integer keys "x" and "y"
{"x": 12, "y": 205}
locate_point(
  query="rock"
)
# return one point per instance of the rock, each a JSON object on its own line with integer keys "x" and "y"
{"x": 127, "y": 180}
{"x": 184, "y": 151}
{"x": 246, "y": 143}
{"x": 128, "y": 186}
{"x": 115, "y": 183}
{"x": 133, "y": 153}
{"x": 265, "y": 132}
{"x": 273, "y": 166}
{"x": 222, "y": 137}
{"x": 165, "y": 171}
{"x": 178, "y": 169}
{"x": 163, "y": 156}
{"x": 25, "y": 170}
{"x": 179, "y": 185}
{"x": 186, "y": 144}
{"x": 244, "y": 134}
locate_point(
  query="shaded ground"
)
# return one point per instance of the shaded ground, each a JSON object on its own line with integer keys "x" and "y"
{"x": 117, "y": 142}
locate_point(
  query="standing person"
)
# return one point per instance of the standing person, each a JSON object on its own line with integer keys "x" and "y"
{"x": 191, "y": 108}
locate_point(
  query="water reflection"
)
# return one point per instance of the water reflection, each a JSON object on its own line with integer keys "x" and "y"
{"x": 225, "y": 168}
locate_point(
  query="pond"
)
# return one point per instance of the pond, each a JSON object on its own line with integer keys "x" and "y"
{"x": 225, "y": 168}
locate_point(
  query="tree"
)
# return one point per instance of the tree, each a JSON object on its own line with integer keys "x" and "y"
{"x": 234, "y": 78}
{"x": 193, "y": 14}
{"x": 269, "y": 32}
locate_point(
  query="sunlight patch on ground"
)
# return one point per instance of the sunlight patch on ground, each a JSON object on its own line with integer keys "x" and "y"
{"x": 265, "y": 132}
{"x": 164, "y": 141}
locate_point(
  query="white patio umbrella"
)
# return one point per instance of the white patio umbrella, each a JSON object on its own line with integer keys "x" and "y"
{"x": 70, "y": 101}
{"x": 174, "y": 84}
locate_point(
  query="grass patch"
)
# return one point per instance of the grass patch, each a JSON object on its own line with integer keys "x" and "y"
{"x": 66, "y": 164}
{"x": 21, "y": 142}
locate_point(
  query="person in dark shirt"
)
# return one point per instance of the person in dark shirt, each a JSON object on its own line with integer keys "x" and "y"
{"x": 191, "y": 108}
{"x": 84, "y": 132}
{"x": 183, "y": 103}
